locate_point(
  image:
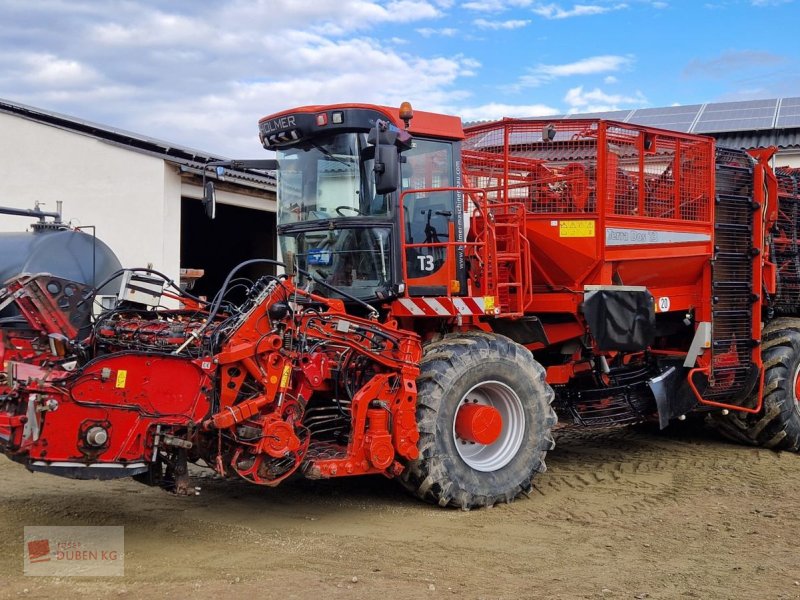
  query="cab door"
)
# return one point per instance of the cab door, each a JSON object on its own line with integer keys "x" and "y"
{"x": 429, "y": 219}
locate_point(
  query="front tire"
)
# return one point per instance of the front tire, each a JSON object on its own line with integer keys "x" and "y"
{"x": 484, "y": 370}
{"x": 777, "y": 426}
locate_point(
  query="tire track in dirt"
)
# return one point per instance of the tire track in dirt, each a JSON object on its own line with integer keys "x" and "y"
{"x": 641, "y": 469}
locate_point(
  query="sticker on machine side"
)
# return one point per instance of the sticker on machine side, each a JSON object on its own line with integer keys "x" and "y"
{"x": 287, "y": 372}
{"x": 576, "y": 229}
{"x": 122, "y": 376}
{"x": 616, "y": 236}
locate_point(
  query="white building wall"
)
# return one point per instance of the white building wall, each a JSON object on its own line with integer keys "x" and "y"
{"x": 133, "y": 199}
{"x": 171, "y": 222}
{"x": 788, "y": 158}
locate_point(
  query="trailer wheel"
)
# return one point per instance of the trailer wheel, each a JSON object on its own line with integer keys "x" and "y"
{"x": 485, "y": 421}
{"x": 777, "y": 426}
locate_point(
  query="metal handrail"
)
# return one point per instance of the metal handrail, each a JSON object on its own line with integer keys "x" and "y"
{"x": 484, "y": 249}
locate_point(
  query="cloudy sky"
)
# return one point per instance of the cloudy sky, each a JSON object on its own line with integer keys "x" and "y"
{"x": 202, "y": 73}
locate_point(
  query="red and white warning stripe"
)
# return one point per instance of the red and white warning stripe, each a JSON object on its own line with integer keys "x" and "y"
{"x": 439, "y": 307}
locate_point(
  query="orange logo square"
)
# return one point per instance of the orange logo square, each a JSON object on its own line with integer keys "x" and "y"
{"x": 39, "y": 550}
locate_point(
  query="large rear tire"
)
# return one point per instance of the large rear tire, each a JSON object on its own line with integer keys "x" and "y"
{"x": 479, "y": 369}
{"x": 777, "y": 426}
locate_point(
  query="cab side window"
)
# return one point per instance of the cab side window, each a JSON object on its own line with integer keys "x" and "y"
{"x": 428, "y": 214}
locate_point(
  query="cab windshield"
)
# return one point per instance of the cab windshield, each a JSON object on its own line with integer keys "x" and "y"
{"x": 328, "y": 178}
{"x": 354, "y": 260}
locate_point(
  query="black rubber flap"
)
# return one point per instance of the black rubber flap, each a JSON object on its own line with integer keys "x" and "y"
{"x": 620, "y": 319}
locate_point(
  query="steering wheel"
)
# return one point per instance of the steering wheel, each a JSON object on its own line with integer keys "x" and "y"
{"x": 339, "y": 210}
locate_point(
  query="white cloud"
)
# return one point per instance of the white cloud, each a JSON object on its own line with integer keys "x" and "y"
{"x": 234, "y": 108}
{"x": 554, "y": 11}
{"x": 494, "y": 110}
{"x": 224, "y": 27}
{"x": 496, "y": 25}
{"x": 350, "y": 15}
{"x": 49, "y": 70}
{"x": 156, "y": 28}
{"x": 495, "y": 6}
{"x": 610, "y": 80}
{"x": 46, "y": 71}
{"x": 469, "y": 63}
{"x": 593, "y": 65}
{"x": 586, "y": 66}
{"x": 443, "y": 32}
{"x": 659, "y": 5}
{"x": 597, "y": 100}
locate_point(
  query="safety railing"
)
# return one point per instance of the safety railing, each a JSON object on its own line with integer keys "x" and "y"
{"x": 481, "y": 253}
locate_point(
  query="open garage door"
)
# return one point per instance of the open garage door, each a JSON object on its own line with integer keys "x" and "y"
{"x": 234, "y": 236}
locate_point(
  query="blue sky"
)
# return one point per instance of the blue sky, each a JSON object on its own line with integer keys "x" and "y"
{"x": 201, "y": 74}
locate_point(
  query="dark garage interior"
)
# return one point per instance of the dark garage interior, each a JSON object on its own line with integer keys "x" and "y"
{"x": 216, "y": 246}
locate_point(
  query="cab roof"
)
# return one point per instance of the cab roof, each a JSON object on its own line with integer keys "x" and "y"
{"x": 423, "y": 123}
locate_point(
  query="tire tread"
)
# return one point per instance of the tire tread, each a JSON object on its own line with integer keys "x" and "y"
{"x": 428, "y": 477}
{"x": 777, "y": 426}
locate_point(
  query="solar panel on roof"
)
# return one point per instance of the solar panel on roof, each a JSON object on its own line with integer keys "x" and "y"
{"x": 676, "y": 118}
{"x": 738, "y": 113}
{"x": 788, "y": 121}
{"x": 735, "y": 122}
{"x": 706, "y": 125}
{"x": 789, "y": 113}
{"x": 715, "y": 113}
{"x": 737, "y": 116}
{"x": 662, "y": 119}
{"x": 669, "y": 110}
{"x": 682, "y": 127}
{"x": 719, "y": 117}
{"x": 722, "y": 106}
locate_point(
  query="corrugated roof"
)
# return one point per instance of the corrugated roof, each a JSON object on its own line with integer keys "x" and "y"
{"x": 190, "y": 159}
{"x": 782, "y": 138}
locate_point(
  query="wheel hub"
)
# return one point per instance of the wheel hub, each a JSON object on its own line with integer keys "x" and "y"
{"x": 796, "y": 387}
{"x": 478, "y": 423}
{"x": 489, "y": 426}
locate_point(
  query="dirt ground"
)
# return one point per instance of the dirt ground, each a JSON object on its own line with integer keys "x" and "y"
{"x": 625, "y": 513}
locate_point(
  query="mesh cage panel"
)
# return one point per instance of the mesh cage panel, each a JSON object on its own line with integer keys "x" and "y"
{"x": 513, "y": 162}
{"x": 563, "y": 167}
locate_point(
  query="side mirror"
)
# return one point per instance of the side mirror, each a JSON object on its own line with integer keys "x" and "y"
{"x": 210, "y": 199}
{"x": 387, "y": 171}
